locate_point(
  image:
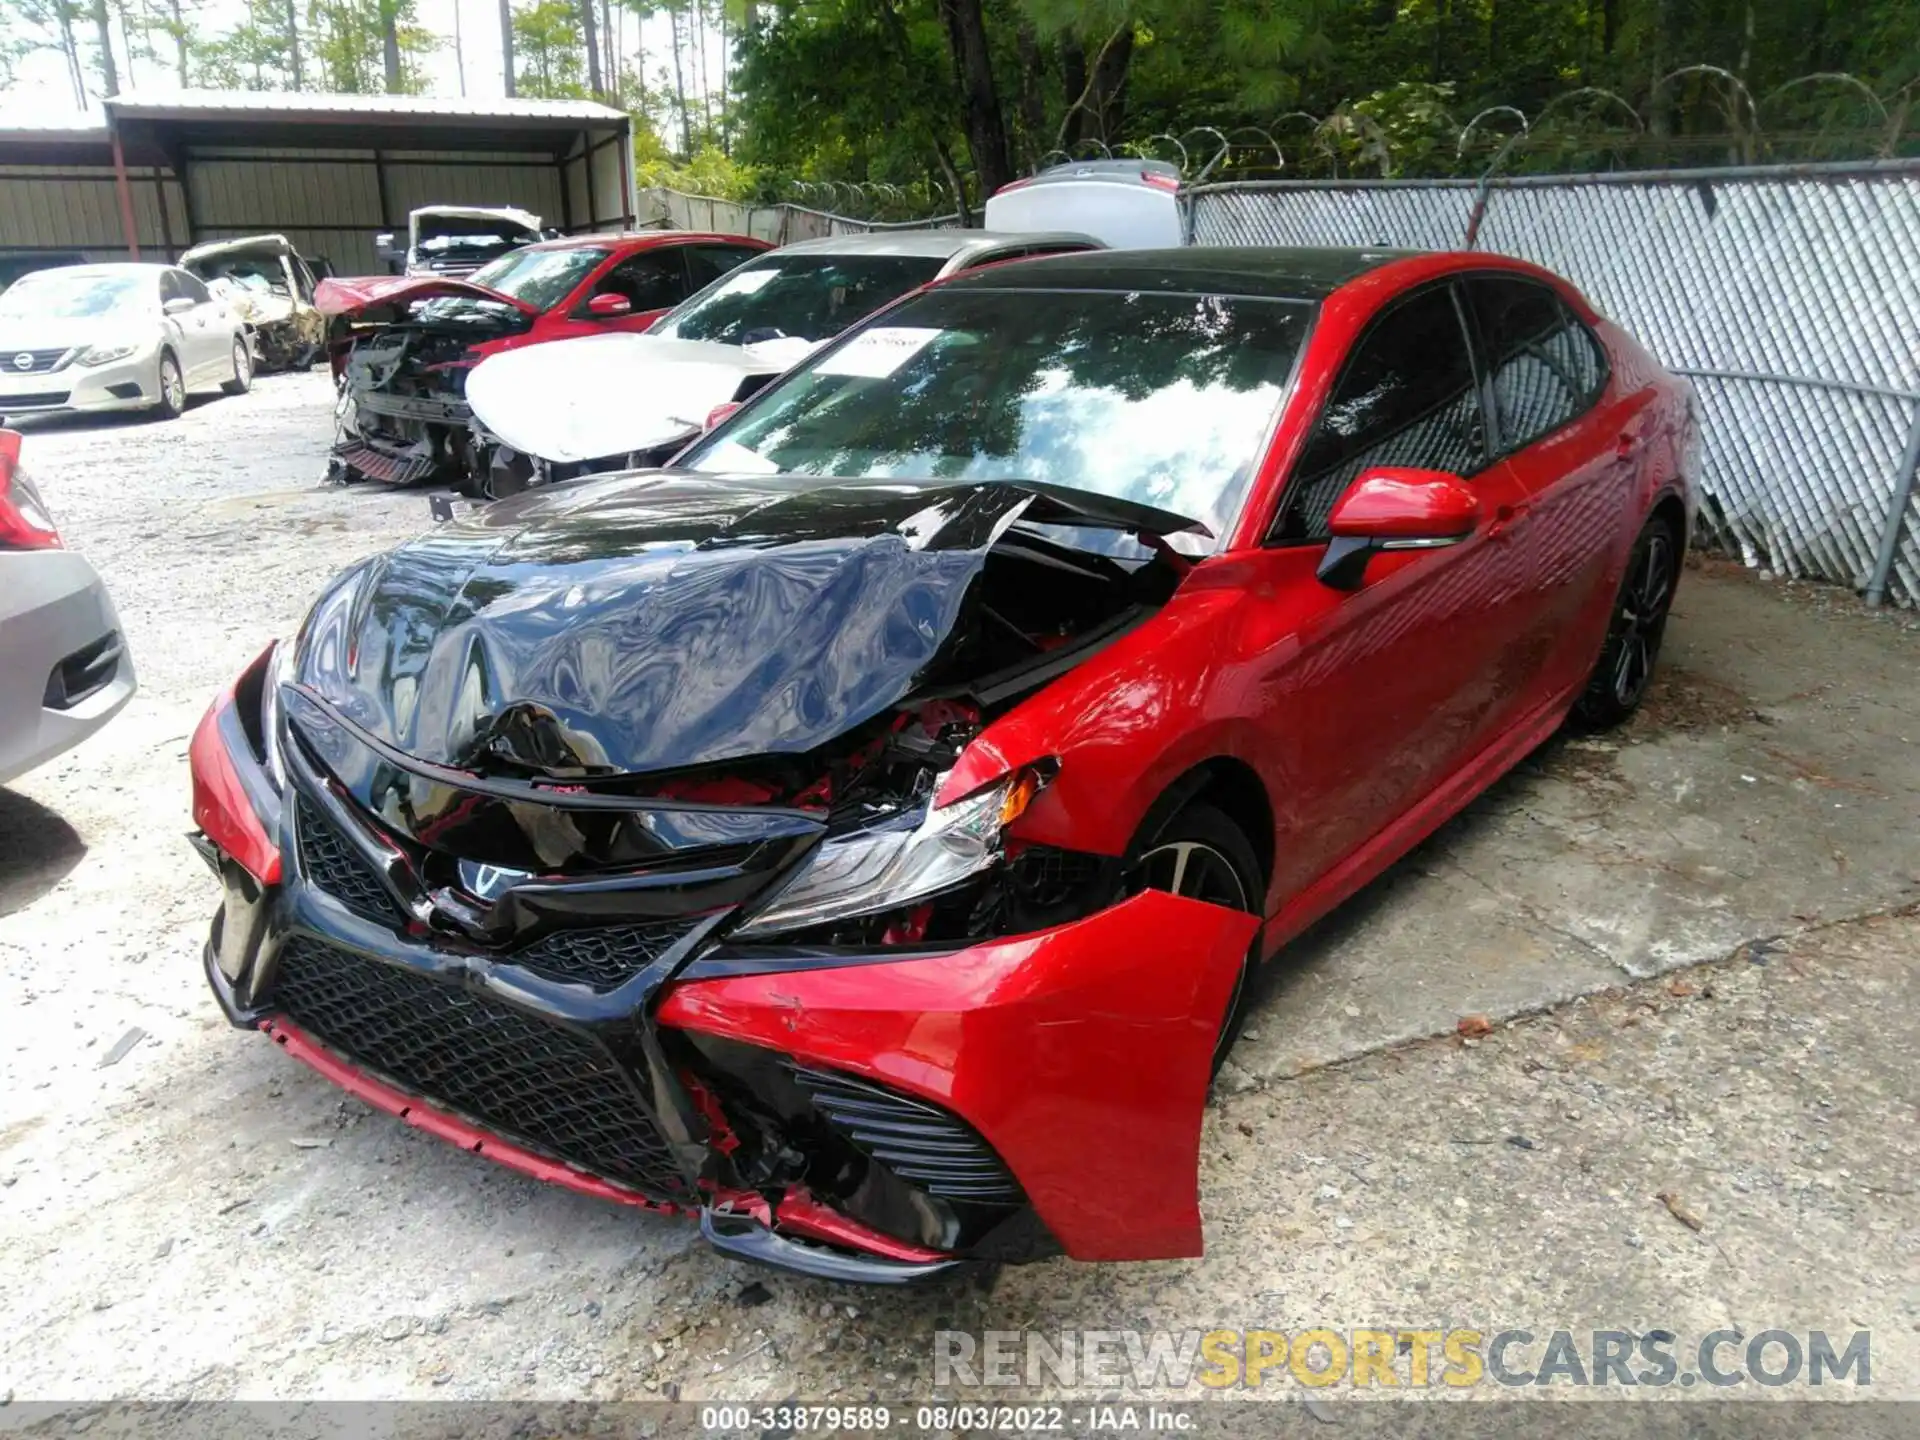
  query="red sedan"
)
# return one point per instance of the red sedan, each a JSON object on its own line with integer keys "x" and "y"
{"x": 862, "y": 835}
{"x": 401, "y": 346}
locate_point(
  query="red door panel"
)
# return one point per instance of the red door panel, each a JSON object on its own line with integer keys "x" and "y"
{"x": 1576, "y": 449}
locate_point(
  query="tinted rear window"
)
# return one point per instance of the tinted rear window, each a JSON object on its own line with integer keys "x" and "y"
{"x": 800, "y": 297}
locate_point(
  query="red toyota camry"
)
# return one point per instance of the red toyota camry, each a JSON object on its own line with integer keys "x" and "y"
{"x": 860, "y": 836}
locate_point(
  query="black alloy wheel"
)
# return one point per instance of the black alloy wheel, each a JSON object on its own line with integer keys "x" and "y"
{"x": 1634, "y": 632}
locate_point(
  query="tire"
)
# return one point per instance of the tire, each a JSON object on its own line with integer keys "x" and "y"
{"x": 1200, "y": 853}
{"x": 242, "y": 380}
{"x": 1634, "y": 629}
{"x": 173, "y": 389}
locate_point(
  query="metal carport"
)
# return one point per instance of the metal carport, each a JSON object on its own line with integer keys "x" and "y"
{"x": 150, "y": 177}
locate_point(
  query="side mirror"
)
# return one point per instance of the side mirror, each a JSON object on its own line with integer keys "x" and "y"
{"x": 178, "y": 305}
{"x": 605, "y": 307}
{"x": 718, "y": 416}
{"x": 384, "y": 248}
{"x": 1392, "y": 508}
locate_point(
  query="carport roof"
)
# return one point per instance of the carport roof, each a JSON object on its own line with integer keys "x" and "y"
{"x": 36, "y": 137}
{"x": 154, "y": 128}
{"x": 356, "y": 122}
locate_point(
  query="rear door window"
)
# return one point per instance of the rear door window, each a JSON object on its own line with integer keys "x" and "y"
{"x": 651, "y": 280}
{"x": 707, "y": 263}
{"x": 1544, "y": 368}
{"x": 1406, "y": 396}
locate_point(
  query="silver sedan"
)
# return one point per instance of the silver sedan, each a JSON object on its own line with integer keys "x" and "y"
{"x": 64, "y": 667}
{"x": 117, "y": 337}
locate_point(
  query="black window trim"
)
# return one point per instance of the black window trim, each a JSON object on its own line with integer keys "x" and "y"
{"x": 1481, "y": 385}
{"x": 1489, "y": 407}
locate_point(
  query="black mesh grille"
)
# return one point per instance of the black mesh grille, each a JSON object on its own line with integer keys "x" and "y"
{"x": 603, "y": 958}
{"x": 551, "y": 1088}
{"x": 330, "y": 862}
{"x": 918, "y": 1141}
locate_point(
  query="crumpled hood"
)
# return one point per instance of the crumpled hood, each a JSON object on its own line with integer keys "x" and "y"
{"x": 657, "y": 620}
{"x": 614, "y": 395}
{"x": 353, "y": 297}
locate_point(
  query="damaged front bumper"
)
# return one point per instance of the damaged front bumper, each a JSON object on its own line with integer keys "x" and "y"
{"x": 1078, "y": 1056}
{"x": 875, "y": 1114}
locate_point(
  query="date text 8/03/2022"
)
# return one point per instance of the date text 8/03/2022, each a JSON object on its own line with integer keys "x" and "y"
{"x": 946, "y": 1418}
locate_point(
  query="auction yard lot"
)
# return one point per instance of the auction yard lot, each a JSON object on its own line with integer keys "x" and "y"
{"x": 1627, "y": 1046}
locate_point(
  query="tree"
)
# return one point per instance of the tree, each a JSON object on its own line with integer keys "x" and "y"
{"x": 589, "y": 28}
{"x": 109, "y": 76}
{"x": 364, "y": 47}
{"x": 547, "y": 40}
{"x": 506, "y": 47}
{"x": 390, "y": 45}
{"x": 35, "y": 25}
{"x": 680, "y": 79}
{"x": 981, "y": 116}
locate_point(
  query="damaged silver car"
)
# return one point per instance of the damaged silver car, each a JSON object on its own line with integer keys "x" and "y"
{"x": 269, "y": 285}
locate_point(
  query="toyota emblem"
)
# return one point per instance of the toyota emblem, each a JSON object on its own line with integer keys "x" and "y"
{"x": 23, "y": 361}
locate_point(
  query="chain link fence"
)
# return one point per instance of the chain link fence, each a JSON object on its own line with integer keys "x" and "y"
{"x": 781, "y": 224}
{"x": 1790, "y": 295}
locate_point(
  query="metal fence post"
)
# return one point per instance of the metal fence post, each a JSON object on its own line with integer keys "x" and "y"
{"x": 1896, "y": 515}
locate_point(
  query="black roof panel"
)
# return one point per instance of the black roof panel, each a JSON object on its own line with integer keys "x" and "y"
{"x": 1271, "y": 271}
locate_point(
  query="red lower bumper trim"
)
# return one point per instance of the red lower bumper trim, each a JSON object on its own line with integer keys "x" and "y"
{"x": 398, "y": 1103}
{"x": 798, "y": 1214}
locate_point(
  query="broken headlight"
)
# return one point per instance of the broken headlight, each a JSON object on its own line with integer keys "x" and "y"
{"x": 270, "y": 683}
{"x": 899, "y": 860}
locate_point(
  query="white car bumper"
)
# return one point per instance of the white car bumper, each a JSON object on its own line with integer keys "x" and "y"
{"x": 129, "y": 384}
{"x": 64, "y": 667}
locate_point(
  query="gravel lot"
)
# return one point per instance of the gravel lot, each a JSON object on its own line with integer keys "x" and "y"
{"x": 193, "y": 1215}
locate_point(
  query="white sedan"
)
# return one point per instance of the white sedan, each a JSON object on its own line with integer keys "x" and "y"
{"x": 116, "y": 337}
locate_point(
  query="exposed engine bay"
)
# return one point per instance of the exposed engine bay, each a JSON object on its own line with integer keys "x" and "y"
{"x": 402, "y": 416}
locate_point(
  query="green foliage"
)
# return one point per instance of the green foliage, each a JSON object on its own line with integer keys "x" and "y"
{"x": 1405, "y": 127}
{"x": 709, "y": 172}
{"x": 865, "y": 89}
{"x": 254, "y": 55}
{"x": 547, "y": 47}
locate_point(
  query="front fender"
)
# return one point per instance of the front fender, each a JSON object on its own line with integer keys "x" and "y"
{"x": 1127, "y": 724}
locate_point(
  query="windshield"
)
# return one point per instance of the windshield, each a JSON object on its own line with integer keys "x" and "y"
{"x": 447, "y": 234}
{"x": 255, "y": 272}
{"x": 800, "y": 297}
{"x": 75, "y": 295}
{"x": 542, "y": 278}
{"x": 1161, "y": 399}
